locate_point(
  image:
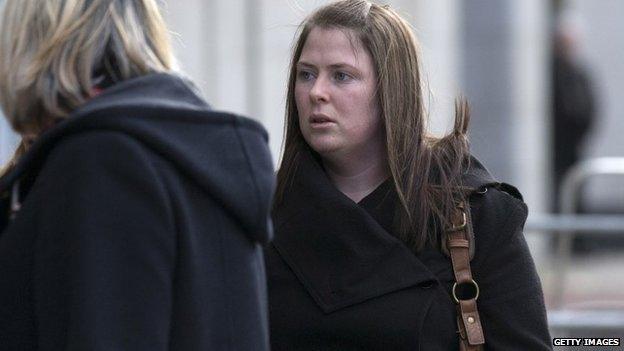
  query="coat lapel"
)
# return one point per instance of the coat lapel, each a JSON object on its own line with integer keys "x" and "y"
{"x": 340, "y": 254}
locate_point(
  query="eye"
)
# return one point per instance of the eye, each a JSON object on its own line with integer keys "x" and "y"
{"x": 342, "y": 76}
{"x": 305, "y": 75}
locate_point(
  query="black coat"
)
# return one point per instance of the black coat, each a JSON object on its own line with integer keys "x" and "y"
{"x": 574, "y": 113}
{"x": 340, "y": 280}
{"x": 141, "y": 228}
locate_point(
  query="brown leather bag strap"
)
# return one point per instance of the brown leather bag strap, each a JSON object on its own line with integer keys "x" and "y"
{"x": 460, "y": 244}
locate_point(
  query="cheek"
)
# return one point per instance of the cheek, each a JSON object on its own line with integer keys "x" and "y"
{"x": 367, "y": 121}
{"x": 301, "y": 103}
{"x": 371, "y": 126}
{"x": 301, "y": 98}
{"x": 375, "y": 116}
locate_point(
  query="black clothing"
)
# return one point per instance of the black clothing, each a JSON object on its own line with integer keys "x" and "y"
{"x": 141, "y": 226}
{"x": 340, "y": 280}
{"x": 573, "y": 112}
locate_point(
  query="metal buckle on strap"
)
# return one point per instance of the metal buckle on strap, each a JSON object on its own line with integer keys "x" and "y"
{"x": 461, "y": 226}
{"x": 474, "y": 284}
{"x": 464, "y": 222}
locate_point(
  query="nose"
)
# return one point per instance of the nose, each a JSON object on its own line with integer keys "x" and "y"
{"x": 319, "y": 91}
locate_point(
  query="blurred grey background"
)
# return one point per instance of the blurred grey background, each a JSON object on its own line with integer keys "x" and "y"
{"x": 498, "y": 53}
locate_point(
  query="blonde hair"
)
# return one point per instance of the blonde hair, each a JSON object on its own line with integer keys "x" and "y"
{"x": 425, "y": 170}
{"x": 54, "y": 52}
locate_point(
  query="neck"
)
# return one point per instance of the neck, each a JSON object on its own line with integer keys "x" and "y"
{"x": 356, "y": 177}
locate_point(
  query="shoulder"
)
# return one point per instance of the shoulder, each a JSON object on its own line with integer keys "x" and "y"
{"x": 487, "y": 193}
{"x": 94, "y": 155}
{"x": 95, "y": 146}
{"x": 498, "y": 209}
{"x": 251, "y": 126}
{"x": 498, "y": 201}
{"x": 498, "y": 219}
{"x": 101, "y": 171}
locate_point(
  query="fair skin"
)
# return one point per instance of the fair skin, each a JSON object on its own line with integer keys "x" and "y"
{"x": 338, "y": 112}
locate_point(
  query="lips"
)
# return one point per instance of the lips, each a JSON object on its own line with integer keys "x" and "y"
{"x": 320, "y": 119}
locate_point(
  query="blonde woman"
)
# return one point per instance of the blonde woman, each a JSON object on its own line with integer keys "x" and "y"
{"x": 369, "y": 208}
{"x": 133, "y": 216}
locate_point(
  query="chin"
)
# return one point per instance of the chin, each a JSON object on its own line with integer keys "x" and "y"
{"x": 323, "y": 147}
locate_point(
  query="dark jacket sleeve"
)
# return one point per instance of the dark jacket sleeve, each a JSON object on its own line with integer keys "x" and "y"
{"x": 511, "y": 303}
{"x": 104, "y": 257}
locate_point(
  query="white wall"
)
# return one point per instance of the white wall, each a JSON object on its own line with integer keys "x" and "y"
{"x": 603, "y": 52}
{"x": 531, "y": 101}
{"x": 437, "y": 25}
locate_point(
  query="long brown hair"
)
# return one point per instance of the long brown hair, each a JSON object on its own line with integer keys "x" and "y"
{"x": 426, "y": 170}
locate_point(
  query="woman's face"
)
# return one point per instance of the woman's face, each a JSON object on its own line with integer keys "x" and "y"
{"x": 335, "y": 95}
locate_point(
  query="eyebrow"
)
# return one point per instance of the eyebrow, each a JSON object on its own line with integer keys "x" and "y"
{"x": 333, "y": 66}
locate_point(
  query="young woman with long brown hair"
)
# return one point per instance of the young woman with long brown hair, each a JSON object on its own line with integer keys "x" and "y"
{"x": 367, "y": 201}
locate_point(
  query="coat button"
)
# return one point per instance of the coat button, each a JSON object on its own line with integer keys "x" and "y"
{"x": 471, "y": 320}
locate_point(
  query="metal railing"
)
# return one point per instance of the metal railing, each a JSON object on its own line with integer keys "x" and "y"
{"x": 570, "y": 194}
{"x": 585, "y": 320}
{"x": 568, "y": 224}
{"x": 564, "y": 226}
{"x": 597, "y": 316}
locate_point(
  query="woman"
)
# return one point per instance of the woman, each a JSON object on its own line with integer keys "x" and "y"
{"x": 134, "y": 219}
{"x": 366, "y": 201}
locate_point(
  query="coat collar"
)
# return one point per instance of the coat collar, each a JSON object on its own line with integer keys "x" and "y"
{"x": 335, "y": 248}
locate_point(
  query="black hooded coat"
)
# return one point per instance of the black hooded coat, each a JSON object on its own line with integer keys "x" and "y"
{"x": 141, "y": 224}
{"x": 339, "y": 279}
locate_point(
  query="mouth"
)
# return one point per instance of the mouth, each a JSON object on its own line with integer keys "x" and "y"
{"x": 320, "y": 120}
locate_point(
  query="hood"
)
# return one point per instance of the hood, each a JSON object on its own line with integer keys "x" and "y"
{"x": 225, "y": 154}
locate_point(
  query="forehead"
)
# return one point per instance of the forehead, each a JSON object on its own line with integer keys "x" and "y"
{"x": 334, "y": 45}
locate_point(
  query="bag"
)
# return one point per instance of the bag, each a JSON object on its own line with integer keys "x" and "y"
{"x": 465, "y": 292}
